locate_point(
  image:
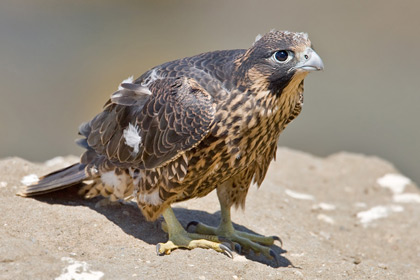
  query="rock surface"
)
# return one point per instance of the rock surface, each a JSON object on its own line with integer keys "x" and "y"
{"x": 337, "y": 218}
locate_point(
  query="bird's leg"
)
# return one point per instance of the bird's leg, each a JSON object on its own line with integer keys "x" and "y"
{"x": 247, "y": 241}
{"x": 180, "y": 238}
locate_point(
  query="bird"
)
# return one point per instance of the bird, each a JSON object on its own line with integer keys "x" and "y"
{"x": 191, "y": 126}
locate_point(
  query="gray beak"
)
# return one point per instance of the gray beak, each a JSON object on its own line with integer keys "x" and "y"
{"x": 310, "y": 61}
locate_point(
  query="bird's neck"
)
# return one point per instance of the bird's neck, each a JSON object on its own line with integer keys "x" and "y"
{"x": 280, "y": 106}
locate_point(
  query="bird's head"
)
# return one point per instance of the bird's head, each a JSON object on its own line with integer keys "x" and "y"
{"x": 276, "y": 59}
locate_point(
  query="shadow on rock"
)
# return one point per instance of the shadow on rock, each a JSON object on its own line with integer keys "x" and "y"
{"x": 187, "y": 215}
{"x": 128, "y": 217}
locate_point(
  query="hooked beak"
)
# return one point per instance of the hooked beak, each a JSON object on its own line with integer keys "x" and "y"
{"x": 310, "y": 61}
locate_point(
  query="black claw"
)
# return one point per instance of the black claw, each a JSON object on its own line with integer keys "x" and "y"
{"x": 226, "y": 250}
{"x": 157, "y": 249}
{"x": 192, "y": 223}
{"x": 225, "y": 240}
{"x": 278, "y": 239}
{"x": 275, "y": 257}
{"x": 238, "y": 248}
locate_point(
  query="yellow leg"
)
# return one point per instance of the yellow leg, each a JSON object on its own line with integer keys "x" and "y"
{"x": 243, "y": 241}
{"x": 247, "y": 241}
{"x": 180, "y": 238}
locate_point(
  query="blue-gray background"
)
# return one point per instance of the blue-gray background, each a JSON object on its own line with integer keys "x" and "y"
{"x": 60, "y": 61}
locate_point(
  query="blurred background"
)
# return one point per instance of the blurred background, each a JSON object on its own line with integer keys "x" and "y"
{"x": 60, "y": 61}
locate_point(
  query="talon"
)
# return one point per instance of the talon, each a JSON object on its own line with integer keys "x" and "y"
{"x": 158, "y": 249}
{"x": 238, "y": 248}
{"x": 275, "y": 257}
{"x": 192, "y": 223}
{"x": 278, "y": 239}
{"x": 226, "y": 250}
{"x": 225, "y": 240}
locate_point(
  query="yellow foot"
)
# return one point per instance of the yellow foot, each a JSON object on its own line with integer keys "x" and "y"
{"x": 241, "y": 241}
{"x": 185, "y": 240}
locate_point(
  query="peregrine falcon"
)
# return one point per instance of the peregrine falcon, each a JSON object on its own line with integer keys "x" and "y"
{"x": 189, "y": 126}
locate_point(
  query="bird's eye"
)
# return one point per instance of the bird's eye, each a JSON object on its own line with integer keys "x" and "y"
{"x": 283, "y": 56}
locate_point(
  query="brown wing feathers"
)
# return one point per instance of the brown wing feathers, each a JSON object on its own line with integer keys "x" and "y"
{"x": 169, "y": 117}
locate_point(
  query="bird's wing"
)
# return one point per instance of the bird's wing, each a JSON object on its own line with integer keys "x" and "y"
{"x": 153, "y": 125}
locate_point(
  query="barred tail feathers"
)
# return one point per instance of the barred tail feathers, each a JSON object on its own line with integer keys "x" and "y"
{"x": 57, "y": 180}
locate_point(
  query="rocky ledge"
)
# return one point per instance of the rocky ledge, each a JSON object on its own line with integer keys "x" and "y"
{"x": 347, "y": 216}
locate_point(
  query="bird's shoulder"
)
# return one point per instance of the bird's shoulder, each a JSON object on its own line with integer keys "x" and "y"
{"x": 211, "y": 70}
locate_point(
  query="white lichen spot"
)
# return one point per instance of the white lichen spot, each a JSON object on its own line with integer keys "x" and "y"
{"x": 360, "y": 205}
{"x": 297, "y": 195}
{"x": 324, "y": 206}
{"x": 129, "y": 80}
{"x": 132, "y": 137}
{"x": 377, "y": 212}
{"x": 325, "y": 218}
{"x": 395, "y": 182}
{"x": 383, "y": 265}
{"x": 407, "y": 198}
{"x": 110, "y": 178}
{"x": 3, "y": 184}
{"x": 297, "y": 255}
{"x": 78, "y": 271}
{"x": 151, "y": 198}
{"x": 30, "y": 179}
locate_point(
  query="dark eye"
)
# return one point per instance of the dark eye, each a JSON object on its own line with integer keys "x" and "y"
{"x": 282, "y": 56}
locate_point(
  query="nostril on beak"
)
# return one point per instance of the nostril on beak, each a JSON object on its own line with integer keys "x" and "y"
{"x": 306, "y": 56}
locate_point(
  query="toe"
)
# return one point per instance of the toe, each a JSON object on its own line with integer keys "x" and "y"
{"x": 276, "y": 238}
{"x": 238, "y": 248}
{"x": 158, "y": 249}
{"x": 226, "y": 250}
{"x": 192, "y": 223}
{"x": 206, "y": 244}
{"x": 275, "y": 257}
{"x": 201, "y": 228}
{"x": 165, "y": 248}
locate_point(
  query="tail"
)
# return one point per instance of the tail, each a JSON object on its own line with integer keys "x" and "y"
{"x": 57, "y": 180}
